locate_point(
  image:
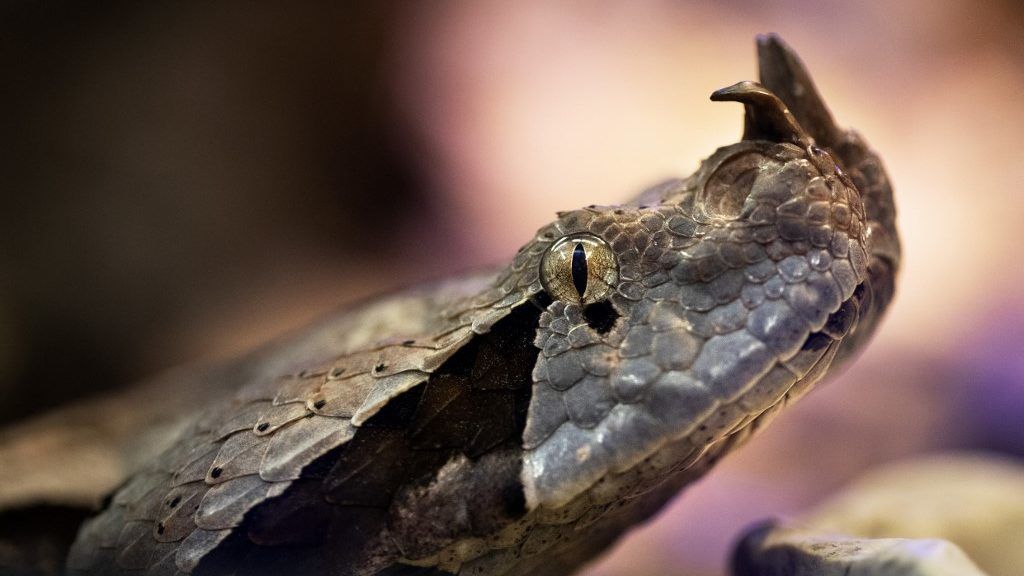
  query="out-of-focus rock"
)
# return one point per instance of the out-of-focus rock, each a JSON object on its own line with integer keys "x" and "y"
{"x": 947, "y": 514}
{"x": 976, "y": 501}
{"x": 774, "y": 550}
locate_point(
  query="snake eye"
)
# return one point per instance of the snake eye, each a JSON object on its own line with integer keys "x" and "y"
{"x": 579, "y": 268}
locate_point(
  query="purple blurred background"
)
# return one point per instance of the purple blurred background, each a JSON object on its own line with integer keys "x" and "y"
{"x": 185, "y": 180}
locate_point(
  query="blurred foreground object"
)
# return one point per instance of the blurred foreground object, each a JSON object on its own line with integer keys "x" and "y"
{"x": 950, "y": 504}
{"x": 778, "y": 551}
{"x": 973, "y": 500}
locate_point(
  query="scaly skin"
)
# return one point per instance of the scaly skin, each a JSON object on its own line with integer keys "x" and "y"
{"x": 496, "y": 430}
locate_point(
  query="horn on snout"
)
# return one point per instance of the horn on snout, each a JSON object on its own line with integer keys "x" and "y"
{"x": 767, "y": 117}
{"x": 783, "y": 73}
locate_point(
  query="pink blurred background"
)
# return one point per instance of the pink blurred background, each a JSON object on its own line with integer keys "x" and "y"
{"x": 184, "y": 183}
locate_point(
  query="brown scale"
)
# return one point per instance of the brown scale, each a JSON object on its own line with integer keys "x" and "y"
{"x": 473, "y": 407}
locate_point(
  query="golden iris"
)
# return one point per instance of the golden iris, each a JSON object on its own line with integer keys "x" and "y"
{"x": 580, "y": 268}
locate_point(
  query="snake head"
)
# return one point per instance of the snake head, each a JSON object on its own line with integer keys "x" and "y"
{"x": 717, "y": 299}
{"x": 624, "y": 350}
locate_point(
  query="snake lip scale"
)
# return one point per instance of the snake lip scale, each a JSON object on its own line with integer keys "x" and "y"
{"x": 518, "y": 420}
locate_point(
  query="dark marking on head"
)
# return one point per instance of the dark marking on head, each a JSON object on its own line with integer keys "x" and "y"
{"x": 513, "y": 500}
{"x": 472, "y": 410}
{"x": 601, "y": 316}
{"x": 842, "y": 321}
{"x": 398, "y": 412}
{"x": 541, "y": 300}
{"x": 497, "y": 499}
{"x": 817, "y": 341}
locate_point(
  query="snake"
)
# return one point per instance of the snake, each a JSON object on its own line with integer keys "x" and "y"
{"x": 519, "y": 419}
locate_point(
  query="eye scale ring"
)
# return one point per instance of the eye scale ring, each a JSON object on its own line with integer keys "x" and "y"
{"x": 580, "y": 268}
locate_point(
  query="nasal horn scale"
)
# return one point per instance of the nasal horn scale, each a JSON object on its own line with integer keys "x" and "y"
{"x": 767, "y": 117}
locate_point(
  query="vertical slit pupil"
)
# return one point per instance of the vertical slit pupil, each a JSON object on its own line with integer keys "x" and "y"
{"x": 579, "y": 269}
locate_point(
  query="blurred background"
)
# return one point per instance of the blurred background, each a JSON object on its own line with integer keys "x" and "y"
{"x": 184, "y": 180}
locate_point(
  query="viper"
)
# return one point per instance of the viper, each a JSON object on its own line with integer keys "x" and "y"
{"x": 519, "y": 420}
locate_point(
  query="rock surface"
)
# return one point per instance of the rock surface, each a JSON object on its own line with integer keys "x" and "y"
{"x": 974, "y": 500}
{"x": 947, "y": 514}
{"x": 774, "y": 550}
